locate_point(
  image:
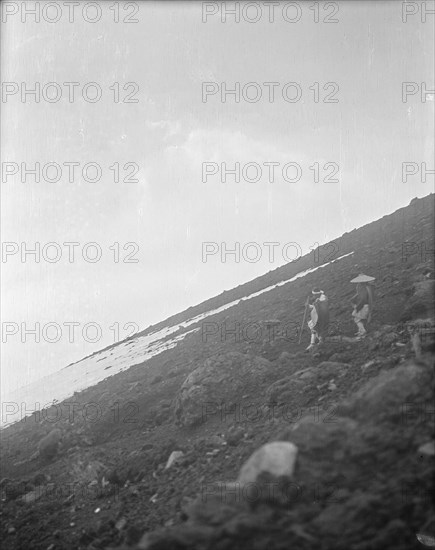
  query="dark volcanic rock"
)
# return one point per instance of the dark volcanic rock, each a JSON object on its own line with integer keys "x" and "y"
{"x": 49, "y": 445}
{"x": 218, "y": 382}
{"x": 421, "y": 303}
{"x": 389, "y": 393}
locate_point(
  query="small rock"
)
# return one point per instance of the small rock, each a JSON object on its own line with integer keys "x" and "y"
{"x": 11, "y": 530}
{"x": 389, "y": 339}
{"x": 120, "y": 524}
{"x": 368, "y": 365}
{"x": 173, "y": 458}
{"x": 214, "y": 441}
{"x": 427, "y": 448}
{"x": 277, "y": 458}
{"x": 214, "y": 452}
{"x": 33, "y": 496}
{"x": 235, "y": 436}
{"x": 328, "y": 369}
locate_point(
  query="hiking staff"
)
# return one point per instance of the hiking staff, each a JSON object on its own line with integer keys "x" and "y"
{"x": 304, "y": 317}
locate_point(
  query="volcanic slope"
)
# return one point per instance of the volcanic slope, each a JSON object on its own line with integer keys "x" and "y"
{"x": 359, "y": 412}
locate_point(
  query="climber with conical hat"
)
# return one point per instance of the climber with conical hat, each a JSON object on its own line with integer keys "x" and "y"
{"x": 319, "y": 316}
{"x": 362, "y": 303}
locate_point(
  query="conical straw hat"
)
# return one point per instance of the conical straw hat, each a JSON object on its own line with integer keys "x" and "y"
{"x": 363, "y": 279}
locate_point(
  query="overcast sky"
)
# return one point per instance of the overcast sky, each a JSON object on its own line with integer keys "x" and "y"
{"x": 170, "y": 211}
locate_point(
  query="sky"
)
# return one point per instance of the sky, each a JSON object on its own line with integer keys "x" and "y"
{"x": 167, "y": 209}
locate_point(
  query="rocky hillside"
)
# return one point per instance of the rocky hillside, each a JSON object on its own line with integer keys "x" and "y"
{"x": 237, "y": 438}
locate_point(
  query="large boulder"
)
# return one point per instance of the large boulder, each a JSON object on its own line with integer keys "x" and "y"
{"x": 390, "y": 395}
{"x": 322, "y": 441}
{"x": 48, "y": 446}
{"x": 286, "y": 390}
{"x": 217, "y": 386}
{"x": 322, "y": 434}
{"x": 267, "y": 475}
{"x": 277, "y": 459}
{"x": 299, "y": 389}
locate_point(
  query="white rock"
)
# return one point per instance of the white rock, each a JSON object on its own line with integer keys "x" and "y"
{"x": 427, "y": 449}
{"x": 173, "y": 458}
{"x": 277, "y": 458}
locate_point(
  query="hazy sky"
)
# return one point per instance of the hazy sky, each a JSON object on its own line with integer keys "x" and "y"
{"x": 171, "y": 131}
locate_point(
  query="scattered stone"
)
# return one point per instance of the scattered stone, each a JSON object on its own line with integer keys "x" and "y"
{"x": 87, "y": 471}
{"x": 235, "y": 436}
{"x": 11, "y": 530}
{"x": 174, "y": 457}
{"x": 214, "y": 452}
{"x": 390, "y": 339}
{"x": 120, "y": 524}
{"x": 368, "y": 365}
{"x": 33, "y": 496}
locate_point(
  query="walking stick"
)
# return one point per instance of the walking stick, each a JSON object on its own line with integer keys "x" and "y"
{"x": 303, "y": 320}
